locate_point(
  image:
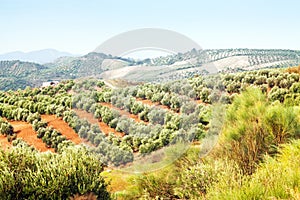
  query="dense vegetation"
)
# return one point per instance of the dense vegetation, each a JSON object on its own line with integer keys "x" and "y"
{"x": 258, "y": 144}
{"x": 27, "y": 174}
{"x": 257, "y": 154}
{"x": 256, "y": 56}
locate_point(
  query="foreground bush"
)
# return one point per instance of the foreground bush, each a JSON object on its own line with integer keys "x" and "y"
{"x": 255, "y": 127}
{"x": 276, "y": 178}
{"x": 28, "y": 174}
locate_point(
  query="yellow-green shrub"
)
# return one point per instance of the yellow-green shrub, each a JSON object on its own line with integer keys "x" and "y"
{"x": 28, "y": 174}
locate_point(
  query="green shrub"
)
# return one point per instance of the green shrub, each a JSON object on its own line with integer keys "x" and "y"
{"x": 253, "y": 127}
{"x": 276, "y": 178}
{"x": 28, "y": 174}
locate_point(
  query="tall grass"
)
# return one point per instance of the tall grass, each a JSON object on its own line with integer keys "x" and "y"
{"x": 255, "y": 127}
{"x": 276, "y": 178}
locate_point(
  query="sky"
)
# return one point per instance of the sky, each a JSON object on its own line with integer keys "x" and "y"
{"x": 80, "y": 26}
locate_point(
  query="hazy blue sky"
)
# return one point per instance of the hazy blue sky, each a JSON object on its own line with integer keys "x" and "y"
{"x": 80, "y": 26}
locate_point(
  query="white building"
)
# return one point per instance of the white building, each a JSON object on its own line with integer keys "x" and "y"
{"x": 50, "y": 83}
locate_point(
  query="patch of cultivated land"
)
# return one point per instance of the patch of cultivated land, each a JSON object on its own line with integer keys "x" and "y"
{"x": 150, "y": 103}
{"x": 106, "y": 130}
{"x": 123, "y": 112}
{"x": 86, "y": 115}
{"x": 4, "y": 144}
{"x": 156, "y": 104}
{"x": 25, "y": 132}
{"x": 62, "y": 127}
{"x": 103, "y": 127}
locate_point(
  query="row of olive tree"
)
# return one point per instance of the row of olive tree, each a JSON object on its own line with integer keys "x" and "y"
{"x": 110, "y": 153}
{"x": 28, "y": 174}
{"x": 50, "y": 137}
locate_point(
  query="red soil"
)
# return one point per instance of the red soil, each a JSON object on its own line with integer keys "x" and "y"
{"x": 4, "y": 144}
{"x": 25, "y": 132}
{"x": 86, "y": 115}
{"x": 199, "y": 101}
{"x": 123, "y": 112}
{"x": 106, "y": 129}
{"x": 268, "y": 89}
{"x": 150, "y": 103}
{"x": 103, "y": 127}
{"x": 62, "y": 127}
{"x": 99, "y": 89}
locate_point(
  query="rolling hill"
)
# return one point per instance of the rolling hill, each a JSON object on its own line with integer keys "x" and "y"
{"x": 18, "y": 74}
{"x": 158, "y": 129}
{"x": 195, "y": 62}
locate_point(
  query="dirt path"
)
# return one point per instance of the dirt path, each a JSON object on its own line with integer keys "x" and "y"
{"x": 25, "y": 132}
{"x": 62, "y": 127}
{"x": 109, "y": 84}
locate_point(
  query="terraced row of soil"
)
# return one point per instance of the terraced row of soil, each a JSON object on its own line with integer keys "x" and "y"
{"x": 61, "y": 126}
{"x": 124, "y": 113}
{"x": 91, "y": 119}
{"x": 150, "y": 103}
{"x": 25, "y": 132}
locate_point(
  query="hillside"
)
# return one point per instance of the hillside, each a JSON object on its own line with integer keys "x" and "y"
{"x": 17, "y": 74}
{"x": 195, "y": 62}
{"x": 92, "y": 64}
{"x": 158, "y": 127}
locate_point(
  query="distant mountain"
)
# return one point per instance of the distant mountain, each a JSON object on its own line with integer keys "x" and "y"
{"x": 40, "y": 56}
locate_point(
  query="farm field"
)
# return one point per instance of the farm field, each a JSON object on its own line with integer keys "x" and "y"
{"x": 62, "y": 127}
{"x": 137, "y": 128}
{"x": 25, "y": 132}
{"x": 131, "y": 100}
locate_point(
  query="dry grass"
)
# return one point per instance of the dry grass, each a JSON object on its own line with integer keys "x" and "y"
{"x": 293, "y": 70}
